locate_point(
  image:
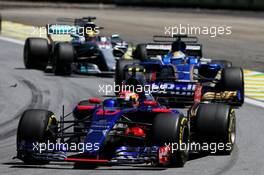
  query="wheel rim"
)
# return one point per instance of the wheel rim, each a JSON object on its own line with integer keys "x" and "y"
{"x": 232, "y": 129}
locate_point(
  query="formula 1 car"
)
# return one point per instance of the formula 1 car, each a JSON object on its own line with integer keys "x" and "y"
{"x": 131, "y": 128}
{"x": 87, "y": 52}
{"x": 179, "y": 70}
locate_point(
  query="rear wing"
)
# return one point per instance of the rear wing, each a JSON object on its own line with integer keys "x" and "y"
{"x": 162, "y": 45}
{"x": 155, "y": 49}
{"x": 83, "y": 21}
{"x": 78, "y": 21}
{"x": 170, "y": 39}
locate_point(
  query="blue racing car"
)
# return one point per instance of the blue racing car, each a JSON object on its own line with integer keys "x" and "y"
{"x": 177, "y": 66}
{"x": 130, "y": 128}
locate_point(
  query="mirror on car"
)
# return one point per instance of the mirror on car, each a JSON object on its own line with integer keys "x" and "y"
{"x": 118, "y": 53}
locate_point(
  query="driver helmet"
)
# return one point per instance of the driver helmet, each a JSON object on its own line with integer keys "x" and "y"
{"x": 129, "y": 97}
{"x": 178, "y": 55}
{"x": 90, "y": 31}
{"x": 109, "y": 103}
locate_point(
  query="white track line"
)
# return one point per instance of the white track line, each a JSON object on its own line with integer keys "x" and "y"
{"x": 254, "y": 102}
{"x": 247, "y": 100}
{"x": 12, "y": 40}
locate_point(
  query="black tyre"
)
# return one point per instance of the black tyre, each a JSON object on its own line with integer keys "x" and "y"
{"x": 36, "y": 53}
{"x": 172, "y": 128}
{"x": 216, "y": 123}
{"x": 35, "y": 125}
{"x": 63, "y": 58}
{"x": 223, "y": 63}
{"x": 119, "y": 71}
{"x": 232, "y": 79}
{"x": 140, "y": 52}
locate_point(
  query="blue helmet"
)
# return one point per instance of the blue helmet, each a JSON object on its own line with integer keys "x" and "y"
{"x": 110, "y": 103}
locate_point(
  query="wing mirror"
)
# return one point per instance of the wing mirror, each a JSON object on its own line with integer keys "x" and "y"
{"x": 118, "y": 53}
{"x": 95, "y": 100}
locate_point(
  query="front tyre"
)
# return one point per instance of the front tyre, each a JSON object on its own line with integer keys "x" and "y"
{"x": 216, "y": 124}
{"x": 170, "y": 128}
{"x": 34, "y": 126}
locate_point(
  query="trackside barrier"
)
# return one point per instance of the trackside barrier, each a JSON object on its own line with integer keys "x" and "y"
{"x": 215, "y": 4}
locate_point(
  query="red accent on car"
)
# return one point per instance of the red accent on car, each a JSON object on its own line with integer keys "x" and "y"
{"x": 86, "y": 160}
{"x": 198, "y": 93}
{"x": 153, "y": 76}
{"x": 164, "y": 153}
{"x": 107, "y": 112}
{"x": 150, "y": 103}
{"x": 164, "y": 110}
{"x": 95, "y": 100}
{"x": 80, "y": 107}
{"x": 135, "y": 131}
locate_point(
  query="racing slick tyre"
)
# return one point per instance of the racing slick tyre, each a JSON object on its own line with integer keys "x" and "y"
{"x": 140, "y": 52}
{"x": 173, "y": 129}
{"x": 36, "y": 53}
{"x": 35, "y": 126}
{"x": 63, "y": 58}
{"x": 224, "y": 63}
{"x": 216, "y": 124}
{"x": 232, "y": 79}
{"x": 119, "y": 71}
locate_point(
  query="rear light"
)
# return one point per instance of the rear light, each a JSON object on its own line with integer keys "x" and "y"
{"x": 163, "y": 110}
{"x": 150, "y": 103}
{"x": 95, "y": 100}
{"x": 198, "y": 93}
{"x": 135, "y": 131}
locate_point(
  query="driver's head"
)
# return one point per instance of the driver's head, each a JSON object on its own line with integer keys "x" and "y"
{"x": 89, "y": 31}
{"x": 129, "y": 97}
{"x": 178, "y": 46}
{"x": 178, "y": 55}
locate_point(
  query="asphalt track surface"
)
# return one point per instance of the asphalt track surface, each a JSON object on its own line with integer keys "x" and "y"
{"x": 21, "y": 89}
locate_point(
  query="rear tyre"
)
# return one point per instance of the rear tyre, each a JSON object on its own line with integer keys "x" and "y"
{"x": 63, "y": 58}
{"x": 174, "y": 129}
{"x": 232, "y": 79}
{"x": 120, "y": 74}
{"x": 216, "y": 124}
{"x": 36, "y": 53}
{"x": 140, "y": 52}
{"x": 35, "y": 125}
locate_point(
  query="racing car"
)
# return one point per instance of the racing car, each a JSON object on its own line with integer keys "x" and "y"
{"x": 131, "y": 128}
{"x": 177, "y": 67}
{"x": 87, "y": 52}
